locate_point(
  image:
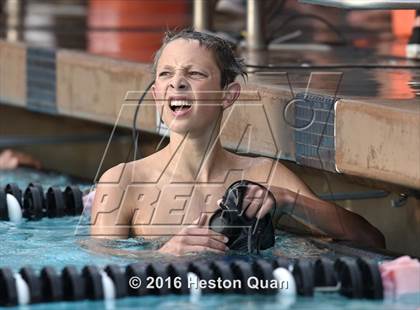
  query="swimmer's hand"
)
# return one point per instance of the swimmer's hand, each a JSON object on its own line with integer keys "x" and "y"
{"x": 257, "y": 202}
{"x": 11, "y": 159}
{"x": 195, "y": 238}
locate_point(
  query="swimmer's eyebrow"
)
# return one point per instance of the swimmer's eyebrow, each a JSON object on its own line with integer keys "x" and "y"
{"x": 166, "y": 67}
{"x": 185, "y": 67}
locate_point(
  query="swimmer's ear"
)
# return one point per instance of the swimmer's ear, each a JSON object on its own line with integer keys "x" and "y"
{"x": 157, "y": 99}
{"x": 232, "y": 92}
{"x": 153, "y": 91}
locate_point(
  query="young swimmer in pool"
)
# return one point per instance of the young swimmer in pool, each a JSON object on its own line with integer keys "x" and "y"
{"x": 175, "y": 190}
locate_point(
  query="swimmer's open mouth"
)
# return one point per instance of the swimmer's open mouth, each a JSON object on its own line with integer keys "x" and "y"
{"x": 179, "y": 104}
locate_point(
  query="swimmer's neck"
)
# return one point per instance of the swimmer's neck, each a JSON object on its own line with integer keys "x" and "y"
{"x": 195, "y": 158}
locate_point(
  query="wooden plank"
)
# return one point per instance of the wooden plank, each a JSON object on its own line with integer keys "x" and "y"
{"x": 379, "y": 140}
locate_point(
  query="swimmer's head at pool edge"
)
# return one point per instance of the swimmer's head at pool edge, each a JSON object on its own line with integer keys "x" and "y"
{"x": 199, "y": 70}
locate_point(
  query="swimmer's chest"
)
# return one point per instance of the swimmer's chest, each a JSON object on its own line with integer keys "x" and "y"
{"x": 167, "y": 208}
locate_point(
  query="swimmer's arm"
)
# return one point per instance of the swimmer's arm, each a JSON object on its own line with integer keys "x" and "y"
{"x": 110, "y": 217}
{"x": 322, "y": 217}
{"x": 327, "y": 218}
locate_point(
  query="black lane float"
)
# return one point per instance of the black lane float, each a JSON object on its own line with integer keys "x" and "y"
{"x": 35, "y": 204}
{"x": 354, "y": 278}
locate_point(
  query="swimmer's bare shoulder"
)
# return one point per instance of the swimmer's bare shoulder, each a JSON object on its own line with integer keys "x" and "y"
{"x": 106, "y": 208}
{"x": 111, "y": 215}
{"x": 150, "y": 168}
{"x": 272, "y": 172}
{"x": 147, "y": 169}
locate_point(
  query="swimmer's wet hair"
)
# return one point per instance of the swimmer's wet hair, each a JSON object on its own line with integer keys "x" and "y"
{"x": 230, "y": 66}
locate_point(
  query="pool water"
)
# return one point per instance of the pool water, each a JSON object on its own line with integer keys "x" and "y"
{"x": 57, "y": 242}
{"x": 63, "y": 241}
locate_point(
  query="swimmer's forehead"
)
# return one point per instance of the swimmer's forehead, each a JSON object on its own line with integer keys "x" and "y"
{"x": 187, "y": 53}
